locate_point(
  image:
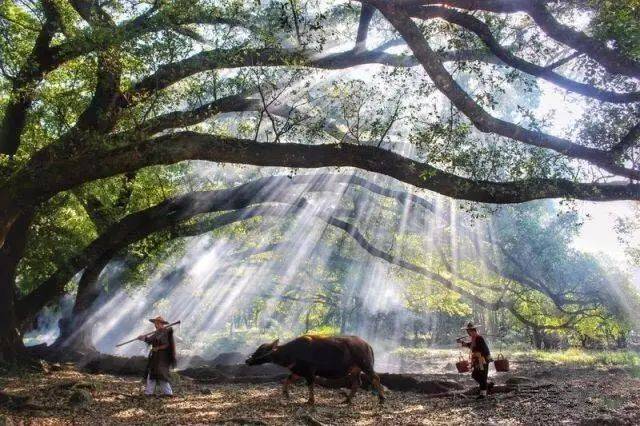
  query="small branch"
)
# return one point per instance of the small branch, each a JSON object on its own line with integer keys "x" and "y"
{"x": 294, "y": 13}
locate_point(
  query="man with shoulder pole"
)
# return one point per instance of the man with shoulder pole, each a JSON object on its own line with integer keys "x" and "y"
{"x": 480, "y": 358}
{"x": 162, "y": 357}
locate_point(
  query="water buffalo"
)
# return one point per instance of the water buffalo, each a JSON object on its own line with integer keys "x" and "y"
{"x": 329, "y": 357}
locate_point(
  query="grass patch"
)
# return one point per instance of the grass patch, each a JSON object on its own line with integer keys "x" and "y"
{"x": 586, "y": 358}
{"x": 629, "y": 360}
{"x": 427, "y": 353}
{"x": 634, "y": 371}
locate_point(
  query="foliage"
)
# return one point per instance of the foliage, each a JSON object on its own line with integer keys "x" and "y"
{"x": 618, "y": 22}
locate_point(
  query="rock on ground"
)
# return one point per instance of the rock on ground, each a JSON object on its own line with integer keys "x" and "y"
{"x": 519, "y": 380}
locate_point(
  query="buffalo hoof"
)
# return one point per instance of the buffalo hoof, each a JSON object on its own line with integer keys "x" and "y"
{"x": 346, "y": 402}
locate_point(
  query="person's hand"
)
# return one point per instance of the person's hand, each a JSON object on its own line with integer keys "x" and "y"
{"x": 141, "y": 337}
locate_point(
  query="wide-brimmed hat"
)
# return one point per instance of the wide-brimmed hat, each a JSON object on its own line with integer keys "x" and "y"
{"x": 471, "y": 326}
{"x": 159, "y": 319}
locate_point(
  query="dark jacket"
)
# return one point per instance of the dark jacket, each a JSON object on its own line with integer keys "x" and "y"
{"x": 479, "y": 346}
{"x": 162, "y": 356}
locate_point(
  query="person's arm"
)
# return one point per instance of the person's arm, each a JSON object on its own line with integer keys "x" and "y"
{"x": 145, "y": 338}
{"x": 463, "y": 343}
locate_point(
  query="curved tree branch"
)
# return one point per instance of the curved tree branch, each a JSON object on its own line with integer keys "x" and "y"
{"x": 34, "y": 186}
{"x": 208, "y": 60}
{"x": 171, "y": 212}
{"x": 481, "y": 119}
{"x": 613, "y": 61}
{"x": 483, "y": 31}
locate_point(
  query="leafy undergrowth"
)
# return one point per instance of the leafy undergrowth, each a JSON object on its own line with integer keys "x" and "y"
{"x": 560, "y": 394}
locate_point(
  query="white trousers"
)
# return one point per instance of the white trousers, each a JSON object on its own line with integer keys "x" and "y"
{"x": 165, "y": 387}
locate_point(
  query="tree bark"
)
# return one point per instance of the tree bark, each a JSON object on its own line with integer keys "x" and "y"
{"x": 11, "y": 347}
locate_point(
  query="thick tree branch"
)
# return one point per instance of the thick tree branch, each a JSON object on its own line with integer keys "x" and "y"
{"x": 482, "y": 120}
{"x": 130, "y": 229}
{"x": 483, "y": 31}
{"x": 34, "y": 186}
{"x": 613, "y": 61}
{"x": 628, "y": 141}
{"x": 45, "y": 58}
{"x": 496, "y": 6}
{"x": 24, "y": 84}
{"x": 208, "y": 60}
{"x": 170, "y": 213}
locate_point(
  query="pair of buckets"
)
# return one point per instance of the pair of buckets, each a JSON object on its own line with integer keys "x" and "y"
{"x": 500, "y": 363}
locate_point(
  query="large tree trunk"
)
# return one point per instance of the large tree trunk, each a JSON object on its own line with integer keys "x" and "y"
{"x": 538, "y": 340}
{"x": 621, "y": 341}
{"x": 76, "y": 330}
{"x": 11, "y": 348}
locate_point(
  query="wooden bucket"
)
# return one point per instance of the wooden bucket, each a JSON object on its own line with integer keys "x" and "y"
{"x": 501, "y": 364}
{"x": 462, "y": 365}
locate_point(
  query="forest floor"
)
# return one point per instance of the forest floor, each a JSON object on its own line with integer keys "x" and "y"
{"x": 550, "y": 393}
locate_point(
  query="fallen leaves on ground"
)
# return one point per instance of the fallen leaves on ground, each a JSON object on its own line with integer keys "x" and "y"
{"x": 560, "y": 396}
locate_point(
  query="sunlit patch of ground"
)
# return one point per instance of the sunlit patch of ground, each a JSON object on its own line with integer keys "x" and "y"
{"x": 569, "y": 396}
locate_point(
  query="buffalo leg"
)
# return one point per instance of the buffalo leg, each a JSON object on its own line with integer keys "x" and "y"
{"x": 354, "y": 380}
{"x": 287, "y": 382}
{"x": 310, "y": 383}
{"x": 375, "y": 381}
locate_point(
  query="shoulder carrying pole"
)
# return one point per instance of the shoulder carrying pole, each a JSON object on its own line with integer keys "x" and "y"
{"x": 146, "y": 335}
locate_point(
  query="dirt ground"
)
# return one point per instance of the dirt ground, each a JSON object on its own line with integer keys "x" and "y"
{"x": 555, "y": 395}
